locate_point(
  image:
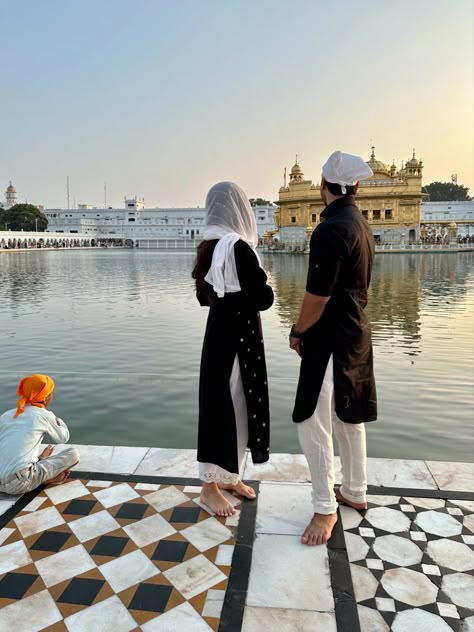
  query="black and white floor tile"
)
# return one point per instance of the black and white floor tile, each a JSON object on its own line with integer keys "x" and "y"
{"x": 411, "y": 561}
{"x": 105, "y": 552}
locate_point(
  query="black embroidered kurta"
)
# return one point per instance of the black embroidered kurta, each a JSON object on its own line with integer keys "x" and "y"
{"x": 340, "y": 264}
{"x": 234, "y": 328}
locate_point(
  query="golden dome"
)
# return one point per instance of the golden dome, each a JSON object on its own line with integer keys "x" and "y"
{"x": 377, "y": 166}
{"x": 413, "y": 162}
{"x": 11, "y": 188}
{"x": 453, "y": 225}
{"x": 296, "y": 170}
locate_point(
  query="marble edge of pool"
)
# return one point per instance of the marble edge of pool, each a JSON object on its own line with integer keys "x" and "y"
{"x": 288, "y": 468}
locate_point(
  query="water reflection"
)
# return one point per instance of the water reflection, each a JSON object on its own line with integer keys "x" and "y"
{"x": 121, "y": 333}
{"x": 401, "y": 286}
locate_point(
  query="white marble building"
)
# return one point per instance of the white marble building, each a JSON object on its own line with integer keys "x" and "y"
{"x": 144, "y": 225}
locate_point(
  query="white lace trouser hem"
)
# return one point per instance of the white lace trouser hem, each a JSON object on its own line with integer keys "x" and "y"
{"x": 212, "y": 473}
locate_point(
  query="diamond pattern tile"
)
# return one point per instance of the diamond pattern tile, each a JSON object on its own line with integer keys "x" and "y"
{"x": 124, "y": 552}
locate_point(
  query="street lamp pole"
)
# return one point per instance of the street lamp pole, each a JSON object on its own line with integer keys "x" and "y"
{"x": 36, "y": 224}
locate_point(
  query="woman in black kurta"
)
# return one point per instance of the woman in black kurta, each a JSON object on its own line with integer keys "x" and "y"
{"x": 233, "y": 389}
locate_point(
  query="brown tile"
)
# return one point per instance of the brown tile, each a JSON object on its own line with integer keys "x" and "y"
{"x": 37, "y": 586}
{"x": 212, "y": 622}
{"x": 176, "y": 599}
{"x": 211, "y": 554}
{"x": 60, "y": 626}
{"x": 13, "y": 537}
{"x": 222, "y": 585}
{"x": 199, "y": 601}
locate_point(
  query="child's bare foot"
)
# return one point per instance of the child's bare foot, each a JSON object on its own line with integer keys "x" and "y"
{"x": 212, "y": 497}
{"x": 48, "y": 451}
{"x": 319, "y": 529}
{"x": 241, "y": 489}
{"x": 60, "y": 478}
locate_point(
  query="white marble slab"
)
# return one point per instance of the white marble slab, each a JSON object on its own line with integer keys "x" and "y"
{"x": 286, "y": 620}
{"x": 109, "y": 459}
{"x": 371, "y": 620}
{"x": 214, "y": 603}
{"x": 64, "y": 565}
{"x": 416, "y": 619}
{"x": 224, "y": 555}
{"x": 168, "y": 462}
{"x": 438, "y": 523}
{"x": 67, "y": 491}
{"x": 284, "y": 509}
{"x": 104, "y": 616}
{"x": 280, "y": 467}
{"x": 35, "y": 504}
{"x": 40, "y": 520}
{"x": 453, "y": 476}
{"x": 409, "y": 586}
{"x": 148, "y": 530}
{"x": 451, "y": 554}
{"x": 5, "y": 533}
{"x": 397, "y": 550}
{"x": 128, "y": 570}
{"x": 388, "y": 519}
{"x": 115, "y": 495}
{"x": 31, "y": 614}
{"x": 357, "y": 548}
{"x": 194, "y": 576}
{"x": 206, "y": 534}
{"x": 13, "y": 556}
{"x": 166, "y": 498}
{"x": 460, "y": 589}
{"x": 399, "y": 473}
{"x": 93, "y": 526}
{"x": 283, "y": 569}
{"x": 184, "y": 618}
{"x": 365, "y": 584}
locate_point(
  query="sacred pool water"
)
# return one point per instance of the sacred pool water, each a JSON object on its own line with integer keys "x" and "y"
{"x": 120, "y": 331}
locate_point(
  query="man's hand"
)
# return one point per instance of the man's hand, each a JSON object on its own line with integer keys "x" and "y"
{"x": 297, "y": 345}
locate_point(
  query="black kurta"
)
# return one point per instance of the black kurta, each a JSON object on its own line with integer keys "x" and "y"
{"x": 341, "y": 255}
{"x": 234, "y": 327}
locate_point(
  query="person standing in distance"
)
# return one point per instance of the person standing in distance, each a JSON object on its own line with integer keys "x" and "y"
{"x": 336, "y": 388}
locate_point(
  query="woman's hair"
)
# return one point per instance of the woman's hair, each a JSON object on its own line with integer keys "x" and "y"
{"x": 205, "y": 250}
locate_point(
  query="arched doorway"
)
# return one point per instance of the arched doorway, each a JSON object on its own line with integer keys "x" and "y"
{"x": 412, "y": 236}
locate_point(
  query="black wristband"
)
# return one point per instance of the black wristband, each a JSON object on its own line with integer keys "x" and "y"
{"x": 294, "y": 333}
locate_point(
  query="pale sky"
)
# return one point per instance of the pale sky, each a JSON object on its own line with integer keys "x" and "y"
{"x": 163, "y": 98}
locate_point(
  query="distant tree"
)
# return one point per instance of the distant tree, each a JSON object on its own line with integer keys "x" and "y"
{"x": 447, "y": 192}
{"x": 23, "y": 217}
{"x": 259, "y": 202}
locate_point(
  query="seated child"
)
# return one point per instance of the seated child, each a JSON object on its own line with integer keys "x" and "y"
{"x": 22, "y": 468}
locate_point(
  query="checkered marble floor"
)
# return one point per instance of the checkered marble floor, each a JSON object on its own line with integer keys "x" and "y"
{"x": 98, "y": 554}
{"x": 412, "y": 562}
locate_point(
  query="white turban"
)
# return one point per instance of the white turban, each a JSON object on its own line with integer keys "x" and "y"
{"x": 345, "y": 169}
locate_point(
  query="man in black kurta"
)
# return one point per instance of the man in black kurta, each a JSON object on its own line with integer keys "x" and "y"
{"x": 336, "y": 388}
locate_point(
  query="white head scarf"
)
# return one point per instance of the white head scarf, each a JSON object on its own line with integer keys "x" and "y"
{"x": 345, "y": 169}
{"x": 229, "y": 218}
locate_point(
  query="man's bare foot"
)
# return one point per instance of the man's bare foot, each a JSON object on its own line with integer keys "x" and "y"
{"x": 319, "y": 529}
{"x": 241, "y": 489}
{"x": 212, "y": 497}
{"x": 60, "y": 478}
{"x": 340, "y": 498}
{"x": 48, "y": 451}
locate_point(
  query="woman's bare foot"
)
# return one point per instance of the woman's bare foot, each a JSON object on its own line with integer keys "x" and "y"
{"x": 48, "y": 451}
{"x": 212, "y": 497}
{"x": 240, "y": 488}
{"x": 60, "y": 478}
{"x": 319, "y": 529}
